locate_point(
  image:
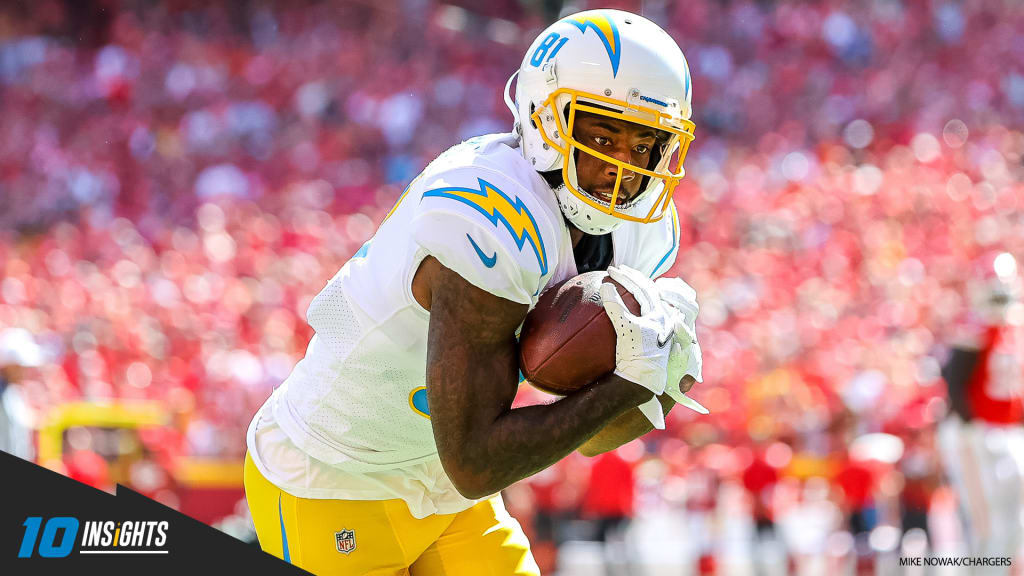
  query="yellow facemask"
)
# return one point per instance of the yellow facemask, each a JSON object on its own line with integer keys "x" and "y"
{"x": 668, "y": 170}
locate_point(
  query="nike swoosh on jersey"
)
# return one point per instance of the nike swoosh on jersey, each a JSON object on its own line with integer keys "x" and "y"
{"x": 488, "y": 261}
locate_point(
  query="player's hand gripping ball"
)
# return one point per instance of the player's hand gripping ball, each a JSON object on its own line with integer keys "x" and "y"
{"x": 568, "y": 341}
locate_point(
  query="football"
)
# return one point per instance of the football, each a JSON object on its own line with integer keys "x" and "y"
{"x": 568, "y": 340}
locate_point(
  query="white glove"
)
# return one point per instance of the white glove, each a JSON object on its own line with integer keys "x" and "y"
{"x": 642, "y": 343}
{"x": 680, "y": 296}
{"x": 685, "y": 358}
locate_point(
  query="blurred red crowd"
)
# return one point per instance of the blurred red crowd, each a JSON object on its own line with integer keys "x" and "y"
{"x": 178, "y": 184}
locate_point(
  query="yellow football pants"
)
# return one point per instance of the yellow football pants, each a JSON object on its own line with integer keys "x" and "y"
{"x": 383, "y": 538}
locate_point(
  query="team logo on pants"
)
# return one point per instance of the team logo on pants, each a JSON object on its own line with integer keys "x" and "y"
{"x": 346, "y": 540}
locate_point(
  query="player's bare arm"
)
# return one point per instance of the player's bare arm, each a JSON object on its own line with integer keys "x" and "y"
{"x": 630, "y": 426}
{"x": 472, "y": 377}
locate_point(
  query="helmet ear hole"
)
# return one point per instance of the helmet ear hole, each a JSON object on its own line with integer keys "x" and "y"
{"x": 533, "y": 107}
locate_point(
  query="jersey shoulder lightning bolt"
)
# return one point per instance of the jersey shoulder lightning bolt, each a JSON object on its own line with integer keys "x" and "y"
{"x": 487, "y": 195}
{"x": 502, "y": 211}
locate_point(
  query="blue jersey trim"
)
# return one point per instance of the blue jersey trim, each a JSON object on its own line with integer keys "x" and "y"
{"x": 675, "y": 241}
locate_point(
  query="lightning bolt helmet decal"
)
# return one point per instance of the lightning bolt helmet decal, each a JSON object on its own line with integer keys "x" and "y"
{"x": 606, "y": 30}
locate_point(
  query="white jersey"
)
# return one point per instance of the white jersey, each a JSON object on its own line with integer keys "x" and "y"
{"x": 352, "y": 421}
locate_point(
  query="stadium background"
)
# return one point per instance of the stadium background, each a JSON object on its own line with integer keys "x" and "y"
{"x": 179, "y": 178}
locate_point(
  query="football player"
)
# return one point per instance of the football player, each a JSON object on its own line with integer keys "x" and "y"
{"x": 385, "y": 449}
{"x": 982, "y": 438}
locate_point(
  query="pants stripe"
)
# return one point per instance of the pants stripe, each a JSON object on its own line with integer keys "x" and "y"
{"x": 284, "y": 534}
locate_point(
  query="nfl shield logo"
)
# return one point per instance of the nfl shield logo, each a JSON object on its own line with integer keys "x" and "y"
{"x": 346, "y": 540}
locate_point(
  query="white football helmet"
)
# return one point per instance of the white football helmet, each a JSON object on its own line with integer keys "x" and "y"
{"x": 614, "y": 64}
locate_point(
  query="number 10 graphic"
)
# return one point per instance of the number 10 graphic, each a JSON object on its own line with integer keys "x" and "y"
{"x": 48, "y": 548}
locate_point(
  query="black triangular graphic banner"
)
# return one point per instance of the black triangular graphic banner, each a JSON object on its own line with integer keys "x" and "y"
{"x": 50, "y": 524}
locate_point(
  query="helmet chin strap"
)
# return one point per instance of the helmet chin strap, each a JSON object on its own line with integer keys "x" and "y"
{"x": 575, "y": 213}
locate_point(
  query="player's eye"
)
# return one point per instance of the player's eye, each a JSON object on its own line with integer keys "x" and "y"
{"x": 602, "y": 141}
{"x": 642, "y": 149}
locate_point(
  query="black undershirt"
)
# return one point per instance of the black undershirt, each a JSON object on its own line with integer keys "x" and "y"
{"x": 593, "y": 252}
